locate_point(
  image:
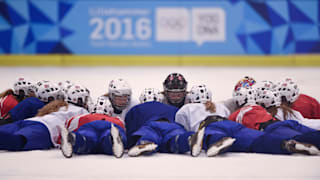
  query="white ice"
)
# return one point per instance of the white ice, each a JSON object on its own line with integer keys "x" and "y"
{"x": 50, "y": 164}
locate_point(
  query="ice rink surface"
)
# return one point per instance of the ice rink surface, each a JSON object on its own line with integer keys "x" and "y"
{"x": 51, "y": 165}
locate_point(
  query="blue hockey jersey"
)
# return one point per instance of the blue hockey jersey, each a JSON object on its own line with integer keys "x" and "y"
{"x": 26, "y": 109}
{"x": 149, "y": 111}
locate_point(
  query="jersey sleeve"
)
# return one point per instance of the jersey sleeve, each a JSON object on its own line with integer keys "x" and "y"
{"x": 6, "y": 104}
{"x": 182, "y": 118}
{"x": 26, "y": 109}
{"x": 251, "y": 116}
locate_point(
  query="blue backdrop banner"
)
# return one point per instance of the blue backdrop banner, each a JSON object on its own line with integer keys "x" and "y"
{"x": 225, "y": 27}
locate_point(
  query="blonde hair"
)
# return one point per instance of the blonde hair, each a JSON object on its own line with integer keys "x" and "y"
{"x": 210, "y": 106}
{"x": 51, "y": 107}
{"x": 285, "y": 108}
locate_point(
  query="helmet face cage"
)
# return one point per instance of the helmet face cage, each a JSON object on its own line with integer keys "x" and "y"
{"x": 175, "y": 87}
{"x": 78, "y": 95}
{"x": 103, "y": 106}
{"x": 200, "y": 94}
{"x": 48, "y": 91}
{"x": 119, "y": 93}
{"x": 289, "y": 90}
{"x": 245, "y": 96}
{"x": 23, "y": 87}
{"x": 151, "y": 94}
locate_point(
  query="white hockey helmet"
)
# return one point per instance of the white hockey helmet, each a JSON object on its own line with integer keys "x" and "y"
{"x": 200, "y": 94}
{"x": 264, "y": 85}
{"x": 103, "y": 106}
{"x": 23, "y": 86}
{"x": 49, "y": 91}
{"x": 119, "y": 93}
{"x": 151, "y": 94}
{"x": 245, "y": 82}
{"x": 245, "y": 96}
{"x": 78, "y": 95}
{"x": 288, "y": 89}
{"x": 65, "y": 85}
{"x": 268, "y": 98}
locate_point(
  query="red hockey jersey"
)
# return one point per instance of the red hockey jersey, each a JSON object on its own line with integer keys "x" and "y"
{"x": 307, "y": 106}
{"x": 75, "y": 122}
{"x": 6, "y": 104}
{"x": 251, "y": 116}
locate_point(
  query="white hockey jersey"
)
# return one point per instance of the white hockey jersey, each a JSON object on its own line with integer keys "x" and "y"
{"x": 191, "y": 115}
{"x": 231, "y": 104}
{"x": 297, "y": 116}
{"x": 55, "y": 120}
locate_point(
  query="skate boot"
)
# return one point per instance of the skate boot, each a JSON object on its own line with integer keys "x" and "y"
{"x": 67, "y": 141}
{"x": 220, "y": 146}
{"x": 196, "y": 142}
{"x": 117, "y": 144}
{"x": 146, "y": 147}
{"x": 302, "y": 148}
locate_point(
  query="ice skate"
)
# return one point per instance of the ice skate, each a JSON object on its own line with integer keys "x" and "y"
{"x": 67, "y": 140}
{"x": 302, "y": 148}
{"x": 117, "y": 144}
{"x": 196, "y": 142}
{"x": 144, "y": 148}
{"x": 220, "y": 146}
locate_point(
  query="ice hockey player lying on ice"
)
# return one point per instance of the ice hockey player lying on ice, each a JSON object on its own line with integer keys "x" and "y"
{"x": 95, "y": 133}
{"x": 22, "y": 88}
{"x": 43, "y": 130}
{"x": 256, "y": 117}
{"x": 271, "y": 100}
{"x": 151, "y": 128}
{"x": 308, "y": 106}
{"x": 120, "y": 96}
{"x": 216, "y": 134}
{"x": 45, "y": 92}
{"x": 244, "y": 82}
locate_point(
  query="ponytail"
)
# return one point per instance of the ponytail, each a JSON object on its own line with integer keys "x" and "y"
{"x": 51, "y": 107}
{"x": 210, "y": 106}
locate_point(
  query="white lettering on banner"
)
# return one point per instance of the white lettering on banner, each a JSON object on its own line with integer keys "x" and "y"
{"x": 208, "y": 24}
{"x": 112, "y": 26}
{"x": 118, "y": 28}
{"x": 204, "y": 24}
{"x": 172, "y": 24}
{"x": 100, "y": 11}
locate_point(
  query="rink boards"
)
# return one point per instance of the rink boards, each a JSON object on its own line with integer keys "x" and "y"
{"x": 161, "y": 60}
